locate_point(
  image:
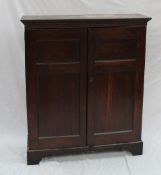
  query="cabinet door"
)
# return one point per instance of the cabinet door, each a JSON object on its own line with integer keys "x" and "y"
{"x": 56, "y": 88}
{"x": 115, "y": 84}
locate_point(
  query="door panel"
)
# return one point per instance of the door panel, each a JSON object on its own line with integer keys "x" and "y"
{"x": 123, "y": 49}
{"x": 114, "y": 43}
{"x": 114, "y": 84}
{"x": 56, "y": 81}
{"x": 114, "y": 101}
{"x": 62, "y": 99}
{"x": 114, "y": 33}
{"x": 52, "y": 51}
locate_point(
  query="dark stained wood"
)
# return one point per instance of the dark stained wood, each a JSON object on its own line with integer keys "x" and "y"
{"x": 112, "y": 91}
{"x": 90, "y": 17}
{"x": 120, "y": 41}
{"x": 76, "y": 21}
{"x": 58, "y": 103}
{"x": 84, "y": 83}
{"x": 54, "y": 46}
{"x": 35, "y": 156}
{"x": 113, "y": 102}
{"x": 58, "y": 90}
{"x": 116, "y": 50}
{"x": 51, "y": 51}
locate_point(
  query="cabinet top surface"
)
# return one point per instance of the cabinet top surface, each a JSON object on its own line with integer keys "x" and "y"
{"x": 86, "y": 17}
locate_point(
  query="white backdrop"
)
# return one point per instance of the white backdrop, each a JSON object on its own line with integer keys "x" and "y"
{"x": 13, "y": 125}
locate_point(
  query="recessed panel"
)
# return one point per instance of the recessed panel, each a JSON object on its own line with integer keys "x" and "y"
{"x": 114, "y": 43}
{"x": 58, "y": 51}
{"x": 113, "y": 50}
{"x": 58, "y": 105}
{"x": 114, "y": 33}
{"x": 114, "y": 102}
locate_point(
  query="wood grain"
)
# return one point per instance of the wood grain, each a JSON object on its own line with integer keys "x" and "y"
{"x": 84, "y": 83}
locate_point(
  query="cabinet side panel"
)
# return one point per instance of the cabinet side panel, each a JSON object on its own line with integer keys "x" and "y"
{"x": 31, "y": 89}
{"x": 140, "y": 65}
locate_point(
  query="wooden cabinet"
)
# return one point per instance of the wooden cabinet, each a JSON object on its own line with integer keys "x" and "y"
{"x": 84, "y": 83}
